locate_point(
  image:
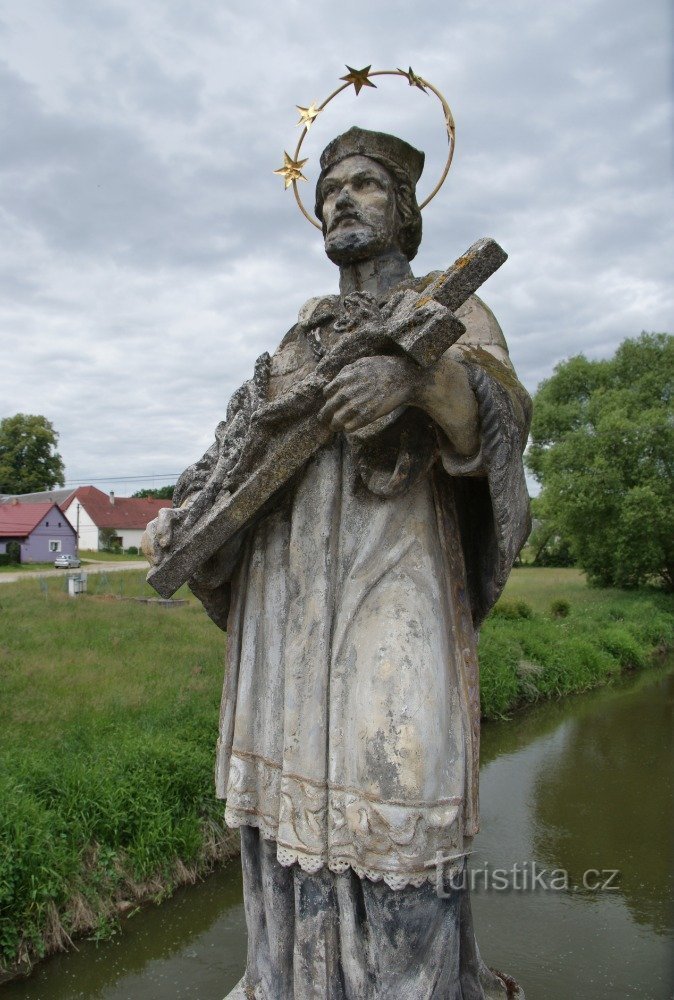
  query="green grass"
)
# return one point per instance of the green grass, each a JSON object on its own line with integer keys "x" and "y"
{"x": 109, "y": 714}
{"x": 529, "y": 652}
{"x": 95, "y": 556}
{"x": 539, "y": 587}
{"x": 100, "y": 654}
{"x": 108, "y": 719}
{"x": 25, "y": 567}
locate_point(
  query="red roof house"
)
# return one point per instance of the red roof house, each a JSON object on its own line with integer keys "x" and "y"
{"x": 41, "y": 529}
{"x": 122, "y": 519}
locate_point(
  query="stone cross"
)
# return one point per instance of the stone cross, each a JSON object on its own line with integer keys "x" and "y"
{"x": 284, "y": 434}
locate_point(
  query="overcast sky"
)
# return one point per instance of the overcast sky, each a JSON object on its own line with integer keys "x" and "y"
{"x": 148, "y": 254}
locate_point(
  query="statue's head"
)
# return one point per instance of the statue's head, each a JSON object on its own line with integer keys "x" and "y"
{"x": 365, "y": 196}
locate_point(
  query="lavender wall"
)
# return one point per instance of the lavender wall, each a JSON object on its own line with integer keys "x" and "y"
{"x": 53, "y": 525}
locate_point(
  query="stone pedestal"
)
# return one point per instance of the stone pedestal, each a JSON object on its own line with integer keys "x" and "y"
{"x": 509, "y": 990}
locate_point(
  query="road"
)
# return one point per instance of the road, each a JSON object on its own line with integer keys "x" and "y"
{"x": 87, "y": 567}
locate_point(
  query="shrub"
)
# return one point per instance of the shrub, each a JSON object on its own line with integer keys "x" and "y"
{"x": 108, "y": 540}
{"x": 132, "y": 550}
{"x": 560, "y": 608}
{"x": 14, "y": 552}
{"x": 621, "y": 644}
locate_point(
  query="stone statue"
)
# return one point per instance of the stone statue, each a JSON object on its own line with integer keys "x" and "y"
{"x": 349, "y": 735}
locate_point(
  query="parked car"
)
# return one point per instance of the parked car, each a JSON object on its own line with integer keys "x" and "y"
{"x": 66, "y": 561}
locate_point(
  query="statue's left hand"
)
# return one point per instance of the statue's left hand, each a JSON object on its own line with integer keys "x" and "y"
{"x": 158, "y": 535}
{"x": 368, "y": 389}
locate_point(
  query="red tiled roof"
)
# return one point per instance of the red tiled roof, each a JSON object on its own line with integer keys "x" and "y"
{"x": 17, "y": 520}
{"x": 126, "y": 512}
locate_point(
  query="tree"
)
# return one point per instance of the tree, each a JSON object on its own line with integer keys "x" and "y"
{"x": 29, "y": 461}
{"x": 162, "y": 493}
{"x": 109, "y": 540}
{"x": 603, "y": 450}
{"x": 545, "y": 545}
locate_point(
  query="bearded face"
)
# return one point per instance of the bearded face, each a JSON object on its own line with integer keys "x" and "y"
{"x": 360, "y": 217}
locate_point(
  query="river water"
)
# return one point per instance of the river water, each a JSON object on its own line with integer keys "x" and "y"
{"x": 583, "y": 785}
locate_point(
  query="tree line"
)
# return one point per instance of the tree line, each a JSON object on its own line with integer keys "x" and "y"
{"x": 602, "y": 448}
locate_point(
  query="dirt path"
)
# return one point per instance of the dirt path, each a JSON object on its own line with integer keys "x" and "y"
{"x": 87, "y": 567}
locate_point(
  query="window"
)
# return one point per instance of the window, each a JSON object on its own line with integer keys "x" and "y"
{"x": 46, "y": 524}
{"x": 54, "y": 544}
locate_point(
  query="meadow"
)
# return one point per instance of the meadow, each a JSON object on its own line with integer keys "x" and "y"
{"x": 108, "y": 719}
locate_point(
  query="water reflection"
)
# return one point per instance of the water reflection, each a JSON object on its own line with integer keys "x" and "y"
{"x": 189, "y": 948}
{"x": 557, "y": 788}
{"x": 605, "y": 801}
{"x": 584, "y": 783}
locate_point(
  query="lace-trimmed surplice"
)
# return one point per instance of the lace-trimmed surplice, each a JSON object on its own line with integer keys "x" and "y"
{"x": 349, "y": 729}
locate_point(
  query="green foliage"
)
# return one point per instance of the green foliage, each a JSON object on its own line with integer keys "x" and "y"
{"x": 108, "y": 722}
{"x": 545, "y": 545}
{"x": 161, "y": 493}
{"x": 526, "y": 659}
{"x": 132, "y": 550}
{"x": 92, "y": 814}
{"x": 14, "y": 552}
{"x": 560, "y": 608}
{"x": 108, "y": 540}
{"x": 29, "y": 461}
{"x": 603, "y": 450}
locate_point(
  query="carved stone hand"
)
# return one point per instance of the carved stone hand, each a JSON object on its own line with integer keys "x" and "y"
{"x": 368, "y": 389}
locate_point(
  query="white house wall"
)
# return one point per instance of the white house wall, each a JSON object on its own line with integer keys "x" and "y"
{"x": 130, "y": 536}
{"x": 88, "y": 534}
{"x": 89, "y": 537}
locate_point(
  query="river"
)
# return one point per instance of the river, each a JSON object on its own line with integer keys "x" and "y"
{"x": 583, "y": 785}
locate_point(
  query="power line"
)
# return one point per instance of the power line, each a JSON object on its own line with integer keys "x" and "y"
{"x": 121, "y": 479}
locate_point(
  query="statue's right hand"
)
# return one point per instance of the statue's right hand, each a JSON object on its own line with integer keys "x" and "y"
{"x": 158, "y": 535}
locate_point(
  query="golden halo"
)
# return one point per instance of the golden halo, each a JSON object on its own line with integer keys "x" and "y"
{"x": 291, "y": 171}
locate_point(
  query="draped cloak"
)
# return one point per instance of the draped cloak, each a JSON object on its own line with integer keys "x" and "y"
{"x": 349, "y": 728}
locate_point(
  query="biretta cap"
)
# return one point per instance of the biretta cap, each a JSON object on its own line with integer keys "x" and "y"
{"x": 386, "y": 149}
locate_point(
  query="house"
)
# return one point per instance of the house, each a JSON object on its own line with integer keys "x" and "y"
{"x": 123, "y": 519}
{"x": 41, "y": 529}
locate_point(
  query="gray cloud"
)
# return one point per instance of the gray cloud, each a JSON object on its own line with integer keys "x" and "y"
{"x": 149, "y": 254}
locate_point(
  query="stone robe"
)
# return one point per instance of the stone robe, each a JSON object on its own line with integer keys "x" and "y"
{"x": 349, "y": 730}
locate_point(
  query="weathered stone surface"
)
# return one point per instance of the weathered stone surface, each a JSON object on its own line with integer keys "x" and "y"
{"x": 355, "y": 520}
{"x": 282, "y": 436}
{"x": 511, "y": 991}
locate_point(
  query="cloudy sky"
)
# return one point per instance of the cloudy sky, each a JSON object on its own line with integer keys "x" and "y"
{"x": 148, "y": 254}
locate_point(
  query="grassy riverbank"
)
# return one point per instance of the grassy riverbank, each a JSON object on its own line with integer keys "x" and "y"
{"x": 108, "y": 717}
{"x": 551, "y": 635}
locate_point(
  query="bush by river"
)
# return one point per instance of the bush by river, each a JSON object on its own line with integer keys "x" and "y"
{"x": 551, "y": 635}
{"x": 108, "y": 717}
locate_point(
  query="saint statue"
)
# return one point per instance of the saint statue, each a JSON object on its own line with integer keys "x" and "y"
{"x": 349, "y": 734}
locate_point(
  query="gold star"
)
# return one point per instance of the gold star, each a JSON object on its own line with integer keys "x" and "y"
{"x": 413, "y": 79}
{"x": 291, "y": 170}
{"x": 308, "y": 115}
{"x": 359, "y": 78}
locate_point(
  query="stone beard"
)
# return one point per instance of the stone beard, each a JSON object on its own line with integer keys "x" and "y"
{"x": 349, "y": 732}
